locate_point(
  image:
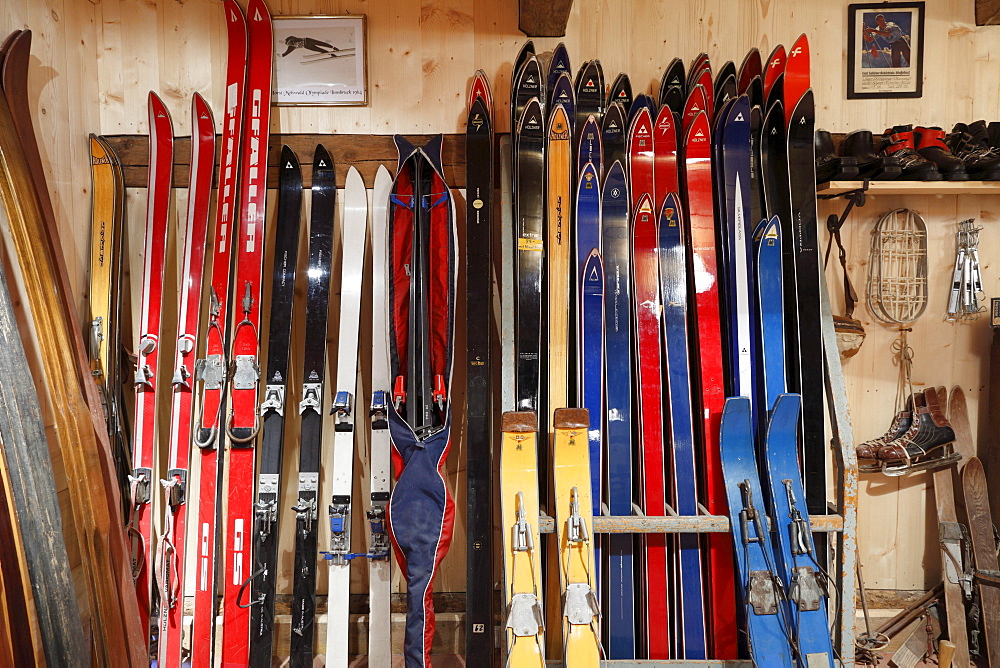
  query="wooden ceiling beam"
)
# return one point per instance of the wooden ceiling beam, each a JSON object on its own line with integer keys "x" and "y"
{"x": 545, "y": 18}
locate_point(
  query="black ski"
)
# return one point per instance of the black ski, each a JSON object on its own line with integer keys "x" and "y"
{"x": 589, "y": 94}
{"x": 265, "y": 549}
{"x": 804, "y": 243}
{"x": 479, "y": 435}
{"x": 777, "y": 202}
{"x": 529, "y": 208}
{"x": 613, "y": 136}
{"x": 621, "y": 92}
{"x": 527, "y": 85}
{"x": 324, "y": 204}
{"x": 673, "y": 91}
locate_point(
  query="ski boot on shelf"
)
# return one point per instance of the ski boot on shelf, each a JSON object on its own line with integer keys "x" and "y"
{"x": 970, "y": 143}
{"x": 930, "y": 144}
{"x": 898, "y": 142}
{"x": 993, "y": 134}
{"x": 871, "y": 166}
{"x": 901, "y": 423}
{"x": 829, "y": 165}
{"x": 927, "y": 444}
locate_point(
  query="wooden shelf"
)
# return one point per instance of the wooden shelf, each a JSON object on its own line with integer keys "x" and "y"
{"x": 912, "y": 187}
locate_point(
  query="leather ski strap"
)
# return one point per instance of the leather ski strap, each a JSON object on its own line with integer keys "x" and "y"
{"x": 834, "y": 224}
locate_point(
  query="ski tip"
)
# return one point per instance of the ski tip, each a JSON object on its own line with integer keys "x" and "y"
{"x": 322, "y": 159}
{"x": 531, "y": 117}
{"x": 558, "y": 123}
{"x": 615, "y": 177}
{"x": 800, "y": 47}
{"x": 670, "y": 212}
{"x": 571, "y": 418}
{"x": 519, "y": 422}
{"x": 354, "y": 180}
{"x": 785, "y": 412}
{"x": 288, "y": 158}
{"x": 644, "y": 206}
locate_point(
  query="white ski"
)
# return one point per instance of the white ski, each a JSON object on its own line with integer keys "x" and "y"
{"x": 354, "y": 238}
{"x": 379, "y": 645}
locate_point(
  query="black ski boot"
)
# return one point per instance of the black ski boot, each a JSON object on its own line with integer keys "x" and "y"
{"x": 898, "y": 142}
{"x": 971, "y": 144}
{"x": 871, "y": 166}
{"x": 829, "y": 165}
{"x": 930, "y": 144}
{"x": 993, "y": 134}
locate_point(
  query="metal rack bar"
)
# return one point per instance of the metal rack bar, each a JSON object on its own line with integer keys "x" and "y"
{"x": 680, "y": 524}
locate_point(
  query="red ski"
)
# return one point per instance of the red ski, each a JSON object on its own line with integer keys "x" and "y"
{"x": 211, "y": 370}
{"x": 704, "y": 79}
{"x": 796, "y": 73}
{"x": 243, "y": 423}
{"x": 751, "y": 67}
{"x": 640, "y": 158}
{"x": 645, "y": 241}
{"x": 664, "y": 157}
{"x": 707, "y": 391}
{"x": 170, "y": 560}
{"x": 161, "y": 164}
{"x": 695, "y": 104}
{"x": 775, "y": 67}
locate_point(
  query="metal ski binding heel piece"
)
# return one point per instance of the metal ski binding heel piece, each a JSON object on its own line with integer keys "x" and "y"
{"x": 805, "y": 589}
{"x": 764, "y": 588}
{"x": 524, "y": 615}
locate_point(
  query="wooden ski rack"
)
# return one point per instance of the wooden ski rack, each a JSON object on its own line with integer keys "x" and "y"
{"x": 367, "y": 152}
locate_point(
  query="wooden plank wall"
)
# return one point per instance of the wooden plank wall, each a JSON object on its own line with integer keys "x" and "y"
{"x": 94, "y": 63}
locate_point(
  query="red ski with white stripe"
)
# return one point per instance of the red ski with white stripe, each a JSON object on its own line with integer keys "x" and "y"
{"x": 212, "y": 370}
{"x": 243, "y": 423}
{"x": 648, "y": 324}
{"x": 170, "y": 560}
{"x": 640, "y": 158}
{"x": 161, "y": 164}
{"x": 664, "y": 157}
{"x": 705, "y": 327}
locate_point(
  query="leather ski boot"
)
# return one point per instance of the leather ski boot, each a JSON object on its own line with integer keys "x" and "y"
{"x": 930, "y": 144}
{"x": 971, "y": 144}
{"x": 871, "y": 166}
{"x": 993, "y": 134}
{"x": 929, "y": 445}
{"x": 829, "y": 165}
{"x": 898, "y": 142}
{"x": 900, "y": 425}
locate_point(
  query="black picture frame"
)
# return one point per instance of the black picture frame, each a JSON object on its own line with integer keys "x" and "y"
{"x": 885, "y": 61}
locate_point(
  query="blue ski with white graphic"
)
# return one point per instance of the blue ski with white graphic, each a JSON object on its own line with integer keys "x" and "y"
{"x": 619, "y": 342}
{"x": 770, "y": 334}
{"x": 589, "y": 148}
{"x": 759, "y": 584}
{"x": 737, "y": 230}
{"x": 674, "y": 293}
{"x": 794, "y": 551}
{"x": 562, "y": 93}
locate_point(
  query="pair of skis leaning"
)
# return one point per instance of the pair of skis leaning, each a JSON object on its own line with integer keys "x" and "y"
{"x": 519, "y": 502}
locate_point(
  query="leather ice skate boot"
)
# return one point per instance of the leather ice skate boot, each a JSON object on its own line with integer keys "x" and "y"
{"x": 930, "y": 445}
{"x": 829, "y": 165}
{"x": 871, "y": 166}
{"x": 898, "y": 142}
{"x": 930, "y": 144}
{"x": 970, "y": 143}
{"x": 900, "y": 425}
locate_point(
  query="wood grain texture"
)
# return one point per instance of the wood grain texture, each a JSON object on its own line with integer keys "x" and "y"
{"x": 544, "y": 18}
{"x": 980, "y": 524}
{"x": 91, "y": 73}
{"x": 987, "y": 12}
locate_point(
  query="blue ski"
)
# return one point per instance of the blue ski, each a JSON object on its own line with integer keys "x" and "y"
{"x": 760, "y": 586}
{"x": 769, "y": 286}
{"x": 793, "y": 537}
{"x": 589, "y": 148}
{"x": 591, "y": 377}
{"x": 735, "y": 149}
{"x": 673, "y": 290}
{"x": 618, "y": 383}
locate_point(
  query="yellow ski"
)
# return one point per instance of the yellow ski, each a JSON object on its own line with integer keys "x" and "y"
{"x": 107, "y": 193}
{"x": 522, "y": 563}
{"x": 574, "y": 527}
